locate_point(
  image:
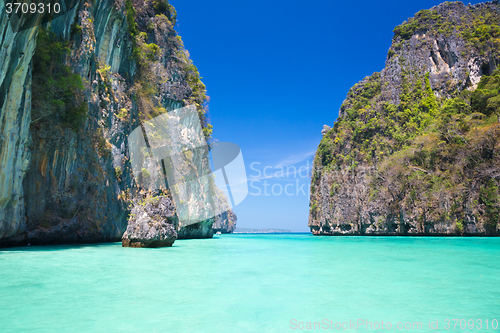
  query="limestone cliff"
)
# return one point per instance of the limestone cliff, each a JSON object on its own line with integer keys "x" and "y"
{"x": 415, "y": 150}
{"x": 71, "y": 92}
{"x": 224, "y": 223}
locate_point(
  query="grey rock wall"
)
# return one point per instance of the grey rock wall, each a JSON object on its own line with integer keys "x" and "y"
{"x": 15, "y": 117}
{"x": 59, "y": 185}
{"x": 341, "y": 201}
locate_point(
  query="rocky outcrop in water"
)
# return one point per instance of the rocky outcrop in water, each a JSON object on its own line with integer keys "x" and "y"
{"x": 71, "y": 92}
{"x": 415, "y": 148}
{"x": 152, "y": 224}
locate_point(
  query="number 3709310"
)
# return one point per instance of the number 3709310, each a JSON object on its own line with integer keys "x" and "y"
{"x": 32, "y": 8}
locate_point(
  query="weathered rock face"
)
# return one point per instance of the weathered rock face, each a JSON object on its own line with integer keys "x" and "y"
{"x": 178, "y": 136}
{"x": 71, "y": 180}
{"x": 65, "y": 183}
{"x": 15, "y": 117}
{"x": 225, "y": 223}
{"x": 451, "y": 61}
{"x": 381, "y": 170}
{"x": 152, "y": 224}
{"x": 197, "y": 230}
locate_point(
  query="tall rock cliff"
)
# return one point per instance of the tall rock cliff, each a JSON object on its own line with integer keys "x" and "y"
{"x": 224, "y": 223}
{"x": 71, "y": 92}
{"x": 415, "y": 150}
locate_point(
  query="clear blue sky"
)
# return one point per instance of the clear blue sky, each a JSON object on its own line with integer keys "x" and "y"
{"x": 276, "y": 71}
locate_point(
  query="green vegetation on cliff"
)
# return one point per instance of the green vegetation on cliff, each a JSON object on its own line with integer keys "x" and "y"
{"x": 482, "y": 31}
{"x": 455, "y": 153}
{"x": 422, "y": 21}
{"x": 417, "y": 147}
{"x": 376, "y": 129}
{"x": 56, "y": 90}
{"x": 424, "y": 147}
{"x": 147, "y": 54}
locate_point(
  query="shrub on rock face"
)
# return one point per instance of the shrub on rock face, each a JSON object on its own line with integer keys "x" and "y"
{"x": 152, "y": 223}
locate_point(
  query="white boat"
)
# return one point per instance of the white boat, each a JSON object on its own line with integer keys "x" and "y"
{"x": 218, "y": 233}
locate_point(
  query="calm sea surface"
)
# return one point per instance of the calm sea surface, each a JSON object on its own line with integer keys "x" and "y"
{"x": 253, "y": 283}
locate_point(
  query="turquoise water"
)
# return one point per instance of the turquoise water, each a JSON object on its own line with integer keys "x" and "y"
{"x": 251, "y": 283}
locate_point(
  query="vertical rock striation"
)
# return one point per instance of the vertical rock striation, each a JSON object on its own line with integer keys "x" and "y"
{"x": 65, "y": 173}
{"x": 15, "y": 117}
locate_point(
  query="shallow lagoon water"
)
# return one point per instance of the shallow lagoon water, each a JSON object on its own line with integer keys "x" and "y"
{"x": 251, "y": 283}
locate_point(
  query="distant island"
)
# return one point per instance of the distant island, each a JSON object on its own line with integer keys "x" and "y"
{"x": 261, "y": 231}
